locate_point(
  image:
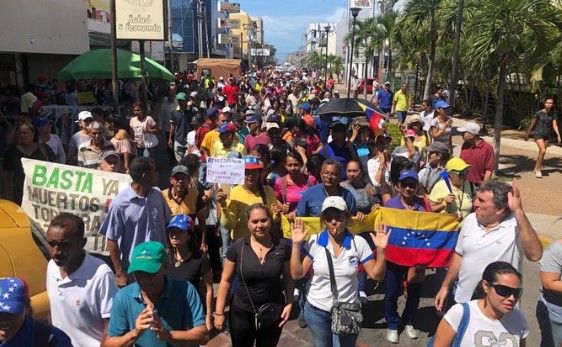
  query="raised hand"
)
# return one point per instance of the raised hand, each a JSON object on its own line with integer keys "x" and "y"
{"x": 380, "y": 238}
{"x": 298, "y": 233}
{"x": 514, "y": 199}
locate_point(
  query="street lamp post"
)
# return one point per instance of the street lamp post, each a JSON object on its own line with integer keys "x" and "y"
{"x": 327, "y": 29}
{"x": 354, "y": 14}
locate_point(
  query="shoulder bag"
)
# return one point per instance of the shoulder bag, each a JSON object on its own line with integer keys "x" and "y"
{"x": 461, "y": 330}
{"x": 268, "y": 313}
{"x": 346, "y": 317}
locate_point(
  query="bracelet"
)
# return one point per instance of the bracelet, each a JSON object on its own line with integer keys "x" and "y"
{"x": 219, "y": 314}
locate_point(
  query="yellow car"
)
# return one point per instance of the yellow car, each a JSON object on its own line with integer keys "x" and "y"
{"x": 23, "y": 253}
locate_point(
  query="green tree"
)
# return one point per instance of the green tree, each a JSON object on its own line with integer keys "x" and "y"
{"x": 501, "y": 34}
{"x": 314, "y": 60}
{"x": 335, "y": 66}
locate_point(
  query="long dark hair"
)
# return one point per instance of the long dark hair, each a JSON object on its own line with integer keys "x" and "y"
{"x": 490, "y": 275}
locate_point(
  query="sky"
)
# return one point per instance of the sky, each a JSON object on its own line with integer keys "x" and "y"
{"x": 285, "y": 21}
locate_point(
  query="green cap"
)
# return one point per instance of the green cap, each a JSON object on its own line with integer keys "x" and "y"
{"x": 148, "y": 257}
{"x": 181, "y": 96}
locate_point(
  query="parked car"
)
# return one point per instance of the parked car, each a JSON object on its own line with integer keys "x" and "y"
{"x": 370, "y": 82}
{"x": 24, "y": 254}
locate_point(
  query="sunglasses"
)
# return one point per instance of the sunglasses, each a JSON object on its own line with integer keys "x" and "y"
{"x": 506, "y": 291}
{"x": 411, "y": 185}
{"x": 461, "y": 174}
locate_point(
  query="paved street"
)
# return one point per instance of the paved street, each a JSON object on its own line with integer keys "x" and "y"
{"x": 517, "y": 160}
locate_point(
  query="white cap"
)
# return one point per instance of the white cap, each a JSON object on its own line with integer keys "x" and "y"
{"x": 84, "y": 115}
{"x": 221, "y": 78}
{"x": 193, "y": 94}
{"x": 470, "y": 127}
{"x": 226, "y": 109}
{"x": 271, "y": 125}
{"x": 336, "y": 202}
{"x": 249, "y": 112}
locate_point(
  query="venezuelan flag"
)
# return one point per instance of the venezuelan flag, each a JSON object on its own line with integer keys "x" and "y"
{"x": 375, "y": 118}
{"x": 420, "y": 238}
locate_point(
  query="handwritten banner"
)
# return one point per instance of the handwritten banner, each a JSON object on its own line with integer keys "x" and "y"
{"x": 225, "y": 170}
{"x": 140, "y": 20}
{"x": 50, "y": 189}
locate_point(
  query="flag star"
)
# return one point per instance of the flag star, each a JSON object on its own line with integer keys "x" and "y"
{"x": 429, "y": 244}
{"x": 6, "y": 307}
{"x": 11, "y": 290}
{"x": 403, "y": 243}
{"x": 405, "y": 238}
{"x": 6, "y": 295}
{"x": 426, "y": 240}
{"x": 12, "y": 280}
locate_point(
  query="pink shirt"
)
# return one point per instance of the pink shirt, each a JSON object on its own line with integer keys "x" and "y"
{"x": 251, "y": 141}
{"x": 293, "y": 192}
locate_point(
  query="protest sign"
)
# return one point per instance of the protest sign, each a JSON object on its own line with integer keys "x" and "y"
{"x": 50, "y": 189}
{"x": 225, "y": 170}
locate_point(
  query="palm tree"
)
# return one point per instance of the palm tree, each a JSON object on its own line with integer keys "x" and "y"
{"x": 503, "y": 33}
{"x": 386, "y": 25}
{"x": 314, "y": 59}
{"x": 420, "y": 16}
{"x": 335, "y": 65}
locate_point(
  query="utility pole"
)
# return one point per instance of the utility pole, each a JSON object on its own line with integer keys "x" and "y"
{"x": 200, "y": 27}
{"x": 170, "y": 36}
{"x": 114, "y": 67}
{"x": 456, "y": 47}
{"x": 206, "y": 31}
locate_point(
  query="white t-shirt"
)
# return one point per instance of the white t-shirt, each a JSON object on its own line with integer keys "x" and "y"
{"x": 81, "y": 301}
{"x": 479, "y": 248}
{"x": 191, "y": 142}
{"x": 483, "y": 331}
{"x": 373, "y": 166}
{"x": 427, "y": 119}
{"x": 355, "y": 251}
{"x": 56, "y": 145}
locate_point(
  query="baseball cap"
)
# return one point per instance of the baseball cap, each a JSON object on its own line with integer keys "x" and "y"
{"x": 84, "y": 115}
{"x": 456, "y": 164}
{"x": 227, "y": 128}
{"x": 221, "y": 78}
{"x": 109, "y": 153}
{"x": 400, "y": 151}
{"x": 14, "y": 295}
{"x": 273, "y": 118}
{"x": 441, "y": 104}
{"x": 226, "y": 109}
{"x": 148, "y": 257}
{"x": 40, "y": 121}
{"x": 182, "y": 222}
{"x": 336, "y": 92}
{"x": 305, "y": 106}
{"x": 248, "y": 112}
{"x": 438, "y": 147}
{"x": 271, "y": 125}
{"x": 251, "y": 163}
{"x": 252, "y": 119}
{"x": 470, "y": 127}
{"x": 336, "y": 202}
{"x": 193, "y": 94}
{"x": 181, "y": 96}
{"x": 180, "y": 169}
{"x": 415, "y": 118}
{"x": 410, "y": 133}
{"x": 408, "y": 174}
{"x": 212, "y": 112}
{"x": 387, "y": 83}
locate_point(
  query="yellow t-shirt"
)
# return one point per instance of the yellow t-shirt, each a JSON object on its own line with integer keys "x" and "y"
{"x": 463, "y": 197}
{"x": 401, "y": 100}
{"x": 233, "y": 216}
{"x": 209, "y": 141}
{"x": 187, "y": 206}
{"x": 221, "y": 152}
{"x": 420, "y": 145}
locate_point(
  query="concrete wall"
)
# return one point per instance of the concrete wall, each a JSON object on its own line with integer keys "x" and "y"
{"x": 44, "y": 26}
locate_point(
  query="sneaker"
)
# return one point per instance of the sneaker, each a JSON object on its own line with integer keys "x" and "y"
{"x": 411, "y": 332}
{"x": 296, "y": 295}
{"x": 363, "y": 297}
{"x": 301, "y": 322}
{"x": 392, "y": 336}
{"x": 538, "y": 174}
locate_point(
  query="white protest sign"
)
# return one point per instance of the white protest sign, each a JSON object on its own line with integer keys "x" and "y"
{"x": 225, "y": 170}
{"x": 50, "y": 189}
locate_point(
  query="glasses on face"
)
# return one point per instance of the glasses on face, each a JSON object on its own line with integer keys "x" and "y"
{"x": 409, "y": 185}
{"x": 506, "y": 291}
{"x": 461, "y": 174}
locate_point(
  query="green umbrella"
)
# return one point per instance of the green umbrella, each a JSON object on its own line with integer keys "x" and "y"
{"x": 97, "y": 64}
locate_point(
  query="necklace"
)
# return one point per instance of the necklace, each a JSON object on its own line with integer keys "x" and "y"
{"x": 181, "y": 259}
{"x": 261, "y": 256}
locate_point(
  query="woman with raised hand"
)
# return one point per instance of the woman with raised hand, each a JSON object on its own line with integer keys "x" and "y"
{"x": 337, "y": 248}
{"x": 492, "y": 318}
{"x": 264, "y": 286}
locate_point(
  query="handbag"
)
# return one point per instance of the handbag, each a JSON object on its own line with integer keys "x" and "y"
{"x": 150, "y": 140}
{"x": 346, "y": 317}
{"x": 461, "y": 330}
{"x": 268, "y": 313}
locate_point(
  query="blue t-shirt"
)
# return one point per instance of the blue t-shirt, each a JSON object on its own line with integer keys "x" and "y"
{"x": 179, "y": 308}
{"x": 311, "y": 203}
{"x": 385, "y": 99}
{"x": 341, "y": 154}
{"x": 27, "y": 333}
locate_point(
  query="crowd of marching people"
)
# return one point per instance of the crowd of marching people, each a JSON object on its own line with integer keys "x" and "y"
{"x": 168, "y": 243}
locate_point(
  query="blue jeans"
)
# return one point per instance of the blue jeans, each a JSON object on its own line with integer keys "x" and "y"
{"x": 226, "y": 241}
{"x": 401, "y": 116}
{"x": 549, "y": 317}
{"x": 319, "y": 322}
{"x": 394, "y": 275}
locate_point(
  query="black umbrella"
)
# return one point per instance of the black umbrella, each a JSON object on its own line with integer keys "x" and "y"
{"x": 347, "y": 106}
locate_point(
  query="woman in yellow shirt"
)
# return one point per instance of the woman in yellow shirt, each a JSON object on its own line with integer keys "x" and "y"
{"x": 233, "y": 209}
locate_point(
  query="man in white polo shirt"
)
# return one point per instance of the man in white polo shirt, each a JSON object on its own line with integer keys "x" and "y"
{"x": 497, "y": 231}
{"x": 80, "y": 287}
